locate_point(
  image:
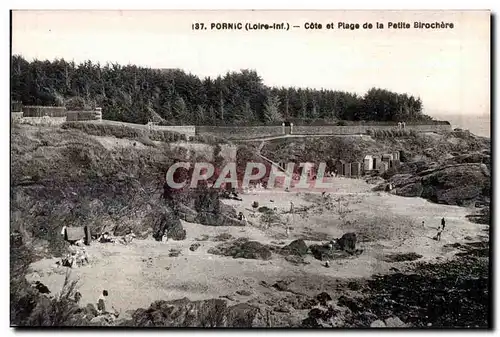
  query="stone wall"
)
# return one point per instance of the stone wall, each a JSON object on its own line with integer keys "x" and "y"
{"x": 40, "y": 111}
{"x": 240, "y": 132}
{"x": 362, "y": 129}
{"x": 83, "y": 115}
{"x": 250, "y": 132}
{"x": 188, "y": 130}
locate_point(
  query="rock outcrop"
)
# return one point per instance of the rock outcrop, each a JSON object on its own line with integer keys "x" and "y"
{"x": 453, "y": 184}
{"x": 168, "y": 223}
{"x": 208, "y": 314}
{"x": 296, "y": 247}
{"x": 242, "y": 248}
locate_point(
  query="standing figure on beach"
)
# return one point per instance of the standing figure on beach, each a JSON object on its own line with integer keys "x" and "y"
{"x": 101, "y": 302}
{"x": 438, "y": 235}
{"x": 443, "y": 223}
{"x": 291, "y": 207}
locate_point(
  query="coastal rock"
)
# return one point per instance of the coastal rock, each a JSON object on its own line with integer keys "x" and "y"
{"x": 377, "y": 324}
{"x": 394, "y": 322}
{"x": 456, "y": 184}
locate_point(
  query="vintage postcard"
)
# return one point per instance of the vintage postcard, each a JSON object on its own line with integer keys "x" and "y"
{"x": 250, "y": 169}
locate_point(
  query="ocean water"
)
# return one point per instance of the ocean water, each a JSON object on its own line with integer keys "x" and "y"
{"x": 477, "y": 124}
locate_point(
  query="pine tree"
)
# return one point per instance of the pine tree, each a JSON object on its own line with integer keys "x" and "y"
{"x": 200, "y": 115}
{"x": 314, "y": 110}
{"x": 271, "y": 109}
{"x": 180, "y": 109}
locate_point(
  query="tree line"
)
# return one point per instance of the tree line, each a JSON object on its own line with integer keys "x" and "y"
{"x": 171, "y": 96}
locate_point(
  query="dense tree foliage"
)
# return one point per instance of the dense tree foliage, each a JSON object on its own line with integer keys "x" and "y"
{"x": 171, "y": 96}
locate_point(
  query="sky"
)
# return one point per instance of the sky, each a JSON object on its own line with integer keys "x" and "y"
{"x": 449, "y": 69}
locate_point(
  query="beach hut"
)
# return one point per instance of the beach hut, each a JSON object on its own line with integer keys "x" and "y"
{"x": 376, "y": 161}
{"x": 395, "y": 155}
{"x": 347, "y": 169}
{"x": 368, "y": 163}
{"x": 356, "y": 169}
{"x": 387, "y": 157}
{"x": 339, "y": 166}
{"x": 73, "y": 234}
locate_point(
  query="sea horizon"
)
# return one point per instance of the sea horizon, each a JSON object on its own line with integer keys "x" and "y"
{"x": 478, "y": 124}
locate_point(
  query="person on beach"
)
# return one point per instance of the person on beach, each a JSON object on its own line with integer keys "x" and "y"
{"x": 438, "y": 235}
{"x": 101, "y": 302}
{"x": 443, "y": 223}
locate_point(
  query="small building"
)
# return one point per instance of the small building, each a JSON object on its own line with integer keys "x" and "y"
{"x": 73, "y": 234}
{"x": 347, "y": 169}
{"x": 356, "y": 169}
{"x": 339, "y": 166}
{"x": 395, "y": 155}
{"x": 368, "y": 163}
{"x": 376, "y": 161}
{"x": 387, "y": 157}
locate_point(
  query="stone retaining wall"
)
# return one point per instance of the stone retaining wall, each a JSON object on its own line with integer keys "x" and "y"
{"x": 250, "y": 132}
{"x": 240, "y": 132}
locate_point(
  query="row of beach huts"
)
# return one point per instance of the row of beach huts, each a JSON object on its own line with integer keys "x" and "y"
{"x": 370, "y": 164}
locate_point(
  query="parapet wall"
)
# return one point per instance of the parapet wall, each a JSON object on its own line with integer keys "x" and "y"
{"x": 363, "y": 129}
{"x": 41, "y": 111}
{"x": 83, "y": 115}
{"x": 251, "y": 132}
{"x": 240, "y": 132}
{"x": 188, "y": 130}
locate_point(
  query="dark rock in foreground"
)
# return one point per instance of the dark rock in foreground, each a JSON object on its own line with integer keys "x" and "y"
{"x": 296, "y": 247}
{"x": 208, "y": 313}
{"x": 452, "y": 294}
{"x": 194, "y": 247}
{"x": 242, "y": 248}
{"x": 401, "y": 257}
{"x": 168, "y": 223}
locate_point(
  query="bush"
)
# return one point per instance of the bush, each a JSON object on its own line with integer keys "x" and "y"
{"x": 341, "y": 123}
{"x": 207, "y": 139}
{"x": 265, "y": 209}
{"x": 395, "y": 133}
{"x": 58, "y": 311}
